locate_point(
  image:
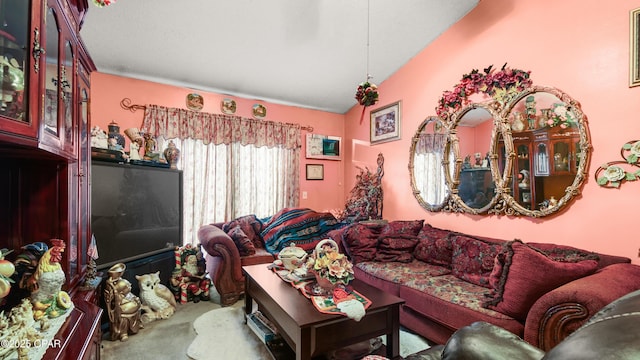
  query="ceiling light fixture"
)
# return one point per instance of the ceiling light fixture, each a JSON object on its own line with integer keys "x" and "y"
{"x": 367, "y": 92}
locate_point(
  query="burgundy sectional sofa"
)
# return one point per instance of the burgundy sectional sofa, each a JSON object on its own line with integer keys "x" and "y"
{"x": 538, "y": 291}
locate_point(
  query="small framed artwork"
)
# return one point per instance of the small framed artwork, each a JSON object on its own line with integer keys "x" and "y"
{"x": 634, "y": 61}
{"x": 385, "y": 123}
{"x": 323, "y": 147}
{"x": 315, "y": 172}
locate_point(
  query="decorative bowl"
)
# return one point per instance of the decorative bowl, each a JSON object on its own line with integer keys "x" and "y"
{"x": 292, "y": 257}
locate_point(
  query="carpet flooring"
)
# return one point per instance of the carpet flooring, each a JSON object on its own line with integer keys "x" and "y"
{"x": 206, "y": 331}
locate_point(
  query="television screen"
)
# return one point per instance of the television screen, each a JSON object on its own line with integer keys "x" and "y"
{"x": 136, "y": 211}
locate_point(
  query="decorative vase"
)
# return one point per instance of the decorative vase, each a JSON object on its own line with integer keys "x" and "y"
{"x": 172, "y": 155}
{"x": 114, "y": 132}
{"x": 544, "y": 117}
{"x": 518, "y": 122}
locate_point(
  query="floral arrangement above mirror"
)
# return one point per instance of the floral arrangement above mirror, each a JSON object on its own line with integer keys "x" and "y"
{"x": 614, "y": 173}
{"x": 500, "y": 85}
{"x": 510, "y": 147}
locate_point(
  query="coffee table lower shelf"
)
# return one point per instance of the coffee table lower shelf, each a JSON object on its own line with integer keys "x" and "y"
{"x": 313, "y": 333}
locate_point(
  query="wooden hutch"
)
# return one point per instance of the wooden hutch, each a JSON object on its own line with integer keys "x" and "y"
{"x": 546, "y": 163}
{"x": 45, "y": 150}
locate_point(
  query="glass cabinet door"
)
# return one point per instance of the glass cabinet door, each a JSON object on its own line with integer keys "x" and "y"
{"x": 542, "y": 159}
{"x": 51, "y": 86}
{"x": 14, "y": 59}
{"x": 561, "y": 156}
{"x": 66, "y": 89}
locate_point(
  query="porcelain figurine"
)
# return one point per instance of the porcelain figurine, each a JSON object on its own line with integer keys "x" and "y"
{"x": 46, "y": 282}
{"x": 137, "y": 142}
{"x": 158, "y": 301}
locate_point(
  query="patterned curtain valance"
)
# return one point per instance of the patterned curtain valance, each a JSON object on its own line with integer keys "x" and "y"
{"x": 218, "y": 128}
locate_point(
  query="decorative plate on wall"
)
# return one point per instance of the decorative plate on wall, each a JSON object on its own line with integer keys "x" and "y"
{"x": 228, "y": 106}
{"x": 195, "y": 102}
{"x": 259, "y": 111}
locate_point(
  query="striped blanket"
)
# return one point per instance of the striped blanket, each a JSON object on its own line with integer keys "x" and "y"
{"x": 301, "y": 226}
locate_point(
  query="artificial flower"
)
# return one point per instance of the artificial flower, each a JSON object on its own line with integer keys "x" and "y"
{"x": 103, "y": 3}
{"x": 367, "y": 94}
{"x": 635, "y": 149}
{"x": 332, "y": 265}
{"x": 561, "y": 116}
{"x": 614, "y": 173}
{"x": 500, "y": 85}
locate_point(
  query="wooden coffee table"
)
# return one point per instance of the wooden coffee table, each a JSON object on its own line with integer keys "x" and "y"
{"x": 311, "y": 333}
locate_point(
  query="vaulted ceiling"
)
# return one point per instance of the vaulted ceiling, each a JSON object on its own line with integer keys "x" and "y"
{"x": 307, "y": 53}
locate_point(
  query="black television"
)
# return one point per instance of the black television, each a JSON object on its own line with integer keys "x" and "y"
{"x": 136, "y": 211}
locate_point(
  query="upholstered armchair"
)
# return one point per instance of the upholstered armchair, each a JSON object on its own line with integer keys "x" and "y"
{"x": 248, "y": 241}
{"x": 224, "y": 262}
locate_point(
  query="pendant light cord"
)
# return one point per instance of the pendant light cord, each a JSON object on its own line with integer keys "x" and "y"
{"x": 368, "y": 36}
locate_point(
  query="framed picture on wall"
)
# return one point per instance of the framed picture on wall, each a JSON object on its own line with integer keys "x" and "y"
{"x": 315, "y": 172}
{"x": 385, "y": 123}
{"x": 323, "y": 147}
{"x": 634, "y": 61}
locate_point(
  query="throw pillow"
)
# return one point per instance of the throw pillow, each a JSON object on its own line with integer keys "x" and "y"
{"x": 520, "y": 286}
{"x": 250, "y": 225}
{"x": 393, "y": 256}
{"x": 402, "y": 227}
{"x": 242, "y": 241}
{"x": 472, "y": 258}
{"x": 434, "y": 246}
{"x": 564, "y": 253}
{"x": 361, "y": 242}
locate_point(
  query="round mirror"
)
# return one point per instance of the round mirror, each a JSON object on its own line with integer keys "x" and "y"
{"x": 426, "y": 164}
{"x": 551, "y": 151}
{"x": 474, "y": 184}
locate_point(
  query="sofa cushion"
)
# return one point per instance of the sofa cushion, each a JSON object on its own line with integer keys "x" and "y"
{"x": 396, "y": 248}
{"x": 454, "y": 303}
{"x": 519, "y": 286}
{"x": 250, "y": 225}
{"x": 415, "y": 270}
{"x": 434, "y": 246}
{"x": 361, "y": 242}
{"x": 473, "y": 258}
{"x": 242, "y": 241}
{"x": 303, "y": 227}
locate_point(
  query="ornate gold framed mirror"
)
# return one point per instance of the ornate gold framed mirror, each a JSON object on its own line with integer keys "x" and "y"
{"x": 551, "y": 151}
{"x": 524, "y": 154}
{"x": 427, "y": 164}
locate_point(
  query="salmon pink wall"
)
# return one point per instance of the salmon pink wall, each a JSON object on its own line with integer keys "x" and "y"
{"x": 578, "y": 46}
{"x": 108, "y": 90}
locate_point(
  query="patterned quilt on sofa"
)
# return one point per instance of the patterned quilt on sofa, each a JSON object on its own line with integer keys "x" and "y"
{"x": 300, "y": 226}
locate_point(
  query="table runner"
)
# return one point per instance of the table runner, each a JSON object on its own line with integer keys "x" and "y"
{"x": 327, "y": 304}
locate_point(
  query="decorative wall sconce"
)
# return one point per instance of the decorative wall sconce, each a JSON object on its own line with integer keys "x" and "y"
{"x": 614, "y": 173}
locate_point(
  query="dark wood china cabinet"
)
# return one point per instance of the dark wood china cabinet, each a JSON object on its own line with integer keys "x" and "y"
{"x": 45, "y": 150}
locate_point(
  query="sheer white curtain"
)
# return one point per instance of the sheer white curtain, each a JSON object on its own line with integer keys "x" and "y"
{"x": 223, "y": 182}
{"x": 428, "y": 169}
{"x": 232, "y": 166}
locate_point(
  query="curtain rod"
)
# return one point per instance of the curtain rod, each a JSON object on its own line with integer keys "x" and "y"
{"x": 127, "y": 105}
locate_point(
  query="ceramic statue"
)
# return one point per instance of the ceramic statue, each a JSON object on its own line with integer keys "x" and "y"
{"x": 158, "y": 301}
{"x": 123, "y": 307}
